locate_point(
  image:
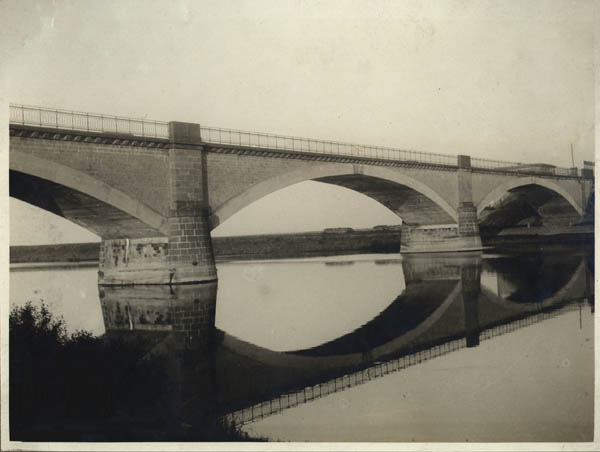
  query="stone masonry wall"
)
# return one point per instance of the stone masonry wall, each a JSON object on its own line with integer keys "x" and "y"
{"x": 128, "y": 261}
{"x": 229, "y": 175}
{"x": 139, "y": 172}
{"x": 467, "y": 221}
{"x": 190, "y": 256}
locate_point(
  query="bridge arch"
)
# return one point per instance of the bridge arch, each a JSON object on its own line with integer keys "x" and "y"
{"x": 328, "y": 173}
{"x": 496, "y": 195}
{"x": 86, "y": 185}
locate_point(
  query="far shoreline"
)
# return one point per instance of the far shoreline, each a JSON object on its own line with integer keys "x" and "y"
{"x": 329, "y": 242}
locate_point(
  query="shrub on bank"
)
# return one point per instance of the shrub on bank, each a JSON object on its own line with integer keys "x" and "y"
{"x": 77, "y": 387}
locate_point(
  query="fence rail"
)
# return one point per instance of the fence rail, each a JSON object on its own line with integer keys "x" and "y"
{"x": 215, "y": 135}
{"x": 73, "y": 120}
{"x": 309, "y": 393}
{"x": 90, "y": 122}
{"x": 380, "y": 369}
{"x": 524, "y": 168}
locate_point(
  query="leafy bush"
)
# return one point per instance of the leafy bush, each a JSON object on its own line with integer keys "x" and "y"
{"x": 77, "y": 387}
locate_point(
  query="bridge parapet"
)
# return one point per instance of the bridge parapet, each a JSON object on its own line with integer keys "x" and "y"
{"x": 92, "y": 122}
{"x": 169, "y": 184}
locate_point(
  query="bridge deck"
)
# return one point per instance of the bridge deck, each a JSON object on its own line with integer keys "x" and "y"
{"x": 92, "y": 122}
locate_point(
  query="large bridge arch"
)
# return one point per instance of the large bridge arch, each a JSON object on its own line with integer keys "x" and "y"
{"x": 501, "y": 190}
{"x": 333, "y": 173}
{"x": 137, "y": 218}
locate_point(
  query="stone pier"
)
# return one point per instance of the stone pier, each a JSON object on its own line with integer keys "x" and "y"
{"x": 186, "y": 254}
{"x": 463, "y": 236}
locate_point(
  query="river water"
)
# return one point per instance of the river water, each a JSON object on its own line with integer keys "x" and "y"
{"x": 476, "y": 347}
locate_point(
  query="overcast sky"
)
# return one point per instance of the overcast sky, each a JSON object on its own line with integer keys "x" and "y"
{"x": 509, "y": 80}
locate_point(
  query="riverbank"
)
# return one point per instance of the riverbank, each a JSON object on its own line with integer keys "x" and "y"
{"x": 526, "y": 238}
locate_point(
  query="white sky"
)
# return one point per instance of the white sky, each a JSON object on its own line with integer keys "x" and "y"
{"x": 509, "y": 80}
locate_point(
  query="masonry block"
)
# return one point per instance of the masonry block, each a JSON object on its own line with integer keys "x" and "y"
{"x": 432, "y": 239}
{"x": 184, "y": 132}
{"x": 463, "y": 161}
{"x": 467, "y": 221}
{"x": 133, "y": 261}
{"x": 190, "y": 257}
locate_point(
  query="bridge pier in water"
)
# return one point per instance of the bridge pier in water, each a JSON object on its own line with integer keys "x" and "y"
{"x": 463, "y": 236}
{"x": 185, "y": 255}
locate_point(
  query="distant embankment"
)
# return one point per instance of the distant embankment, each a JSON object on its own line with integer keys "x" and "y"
{"x": 580, "y": 235}
{"x": 380, "y": 239}
{"x": 68, "y": 252}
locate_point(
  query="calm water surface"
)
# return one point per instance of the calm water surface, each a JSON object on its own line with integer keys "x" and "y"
{"x": 409, "y": 348}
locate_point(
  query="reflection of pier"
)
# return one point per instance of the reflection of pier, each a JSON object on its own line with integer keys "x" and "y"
{"x": 460, "y": 316}
{"x": 379, "y": 369}
{"x": 187, "y": 311}
{"x": 443, "y": 308}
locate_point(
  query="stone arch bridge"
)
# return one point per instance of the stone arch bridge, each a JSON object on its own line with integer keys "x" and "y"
{"x": 153, "y": 191}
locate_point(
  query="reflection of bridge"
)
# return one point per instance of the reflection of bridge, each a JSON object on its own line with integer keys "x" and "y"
{"x": 443, "y": 308}
{"x": 153, "y": 191}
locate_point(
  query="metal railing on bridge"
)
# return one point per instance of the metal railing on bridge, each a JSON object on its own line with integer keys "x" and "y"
{"x": 215, "y": 135}
{"x": 73, "y": 120}
{"x": 526, "y": 168}
{"x": 88, "y": 122}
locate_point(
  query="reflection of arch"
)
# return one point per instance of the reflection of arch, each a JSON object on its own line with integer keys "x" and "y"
{"x": 496, "y": 194}
{"x": 563, "y": 294}
{"x": 276, "y": 183}
{"x": 293, "y": 360}
{"x": 83, "y": 183}
{"x": 534, "y": 277}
